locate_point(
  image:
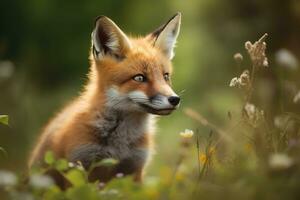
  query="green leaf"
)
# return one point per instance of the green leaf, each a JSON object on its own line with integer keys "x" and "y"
{"x": 4, "y": 119}
{"x": 86, "y": 191}
{"x": 53, "y": 193}
{"x": 108, "y": 162}
{"x": 76, "y": 177}
{"x": 49, "y": 158}
{"x": 61, "y": 165}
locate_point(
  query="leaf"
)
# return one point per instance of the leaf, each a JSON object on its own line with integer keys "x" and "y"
{"x": 49, "y": 158}
{"x": 4, "y": 119}
{"x": 86, "y": 191}
{"x": 107, "y": 162}
{"x": 61, "y": 165}
{"x": 53, "y": 193}
{"x": 76, "y": 177}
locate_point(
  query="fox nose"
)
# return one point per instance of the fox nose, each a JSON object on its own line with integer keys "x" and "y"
{"x": 174, "y": 100}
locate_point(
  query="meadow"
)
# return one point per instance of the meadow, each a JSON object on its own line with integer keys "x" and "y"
{"x": 235, "y": 135}
{"x": 248, "y": 159}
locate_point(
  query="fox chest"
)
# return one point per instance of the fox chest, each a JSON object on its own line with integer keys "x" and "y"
{"x": 120, "y": 137}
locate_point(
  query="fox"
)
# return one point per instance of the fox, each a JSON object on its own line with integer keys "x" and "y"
{"x": 129, "y": 85}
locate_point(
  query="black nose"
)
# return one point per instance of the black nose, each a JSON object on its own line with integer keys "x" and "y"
{"x": 174, "y": 100}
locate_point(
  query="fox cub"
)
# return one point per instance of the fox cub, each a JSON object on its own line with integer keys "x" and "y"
{"x": 129, "y": 83}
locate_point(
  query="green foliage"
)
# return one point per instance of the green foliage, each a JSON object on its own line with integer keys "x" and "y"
{"x": 61, "y": 165}
{"x": 108, "y": 162}
{"x": 76, "y": 177}
{"x": 49, "y": 158}
{"x": 247, "y": 159}
{"x": 83, "y": 191}
{"x": 4, "y": 119}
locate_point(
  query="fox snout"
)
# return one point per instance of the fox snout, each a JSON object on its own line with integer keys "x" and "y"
{"x": 158, "y": 104}
{"x": 163, "y": 105}
{"x": 172, "y": 100}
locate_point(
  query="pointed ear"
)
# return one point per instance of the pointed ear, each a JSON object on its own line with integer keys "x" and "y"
{"x": 108, "y": 38}
{"x": 164, "y": 38}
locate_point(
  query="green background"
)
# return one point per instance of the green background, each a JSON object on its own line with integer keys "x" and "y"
{"x": 47, "y": 43}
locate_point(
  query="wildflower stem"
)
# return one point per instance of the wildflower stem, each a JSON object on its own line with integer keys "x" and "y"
{"x": 178, "y": 163}
{"x": 198, "y": 155}
{"x": 199, "y": 118}
{"x": 198, "y": 162}
{"x": 250, "y": 90}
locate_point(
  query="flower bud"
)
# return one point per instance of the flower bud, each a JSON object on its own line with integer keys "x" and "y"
{"x": 238, "y": 57}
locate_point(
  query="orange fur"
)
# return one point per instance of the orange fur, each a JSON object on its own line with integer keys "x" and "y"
{"x": 72, "y": 127}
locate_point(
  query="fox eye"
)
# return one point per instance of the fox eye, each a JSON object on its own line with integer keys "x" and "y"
{"x": 139, "y": 78}
{"x": 167, "y": 76}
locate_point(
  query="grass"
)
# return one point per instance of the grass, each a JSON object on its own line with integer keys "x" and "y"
{"x": 254, "y": 155}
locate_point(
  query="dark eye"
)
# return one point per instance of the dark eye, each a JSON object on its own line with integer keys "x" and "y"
{"x": 139, "y": 78}
{"x": 167, "y": 76}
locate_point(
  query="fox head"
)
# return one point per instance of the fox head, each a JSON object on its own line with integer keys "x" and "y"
{"x": 135, "y": 73}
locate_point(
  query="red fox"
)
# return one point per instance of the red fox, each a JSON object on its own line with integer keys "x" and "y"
{"x": 129, "y": 83}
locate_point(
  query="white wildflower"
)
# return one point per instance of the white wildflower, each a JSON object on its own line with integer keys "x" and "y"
{"x": 119, "y": 175}
{"x": 71, "y": 165}
{"x": 253, "y": 113}
{"x": 248, "y": 45}
{"x": 187, "y": 133}
{"x": 280, "y": 161}
{"x": 245, "y": 78}
{"x": 257, "y": 50}
{"x": 250, "y": 110}
{"x": 234, "y": 82}
{"x": 266, "y": 62}
{"x": 41, "y": 181}
{"x": 79, "y": 165}
{"x": 242, "y": 81}
{"x": 101, "y": 185}
{"x": 238, "y": 57}
{"x": 7, "y": 178}
{"x": 287, "y": 59}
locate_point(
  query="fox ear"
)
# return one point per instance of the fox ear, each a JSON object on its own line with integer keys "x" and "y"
{"x": 108, "y": 38}
{"x": 164, "y": 38}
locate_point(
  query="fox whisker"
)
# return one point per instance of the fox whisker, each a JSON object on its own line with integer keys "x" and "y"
{"x": 181, "y": 92}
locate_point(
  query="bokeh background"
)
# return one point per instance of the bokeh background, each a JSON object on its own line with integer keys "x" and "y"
{"x": 44, "y": 46}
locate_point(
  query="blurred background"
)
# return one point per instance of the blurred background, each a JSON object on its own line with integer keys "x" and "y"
{"x": 44, "y": 46}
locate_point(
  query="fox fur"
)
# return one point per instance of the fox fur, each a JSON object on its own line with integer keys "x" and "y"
{"x": 114, "y": 117}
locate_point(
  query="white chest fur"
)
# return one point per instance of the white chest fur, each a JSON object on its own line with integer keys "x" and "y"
{"x": 117, "y": 133}
{"x": 120, "y": 131}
